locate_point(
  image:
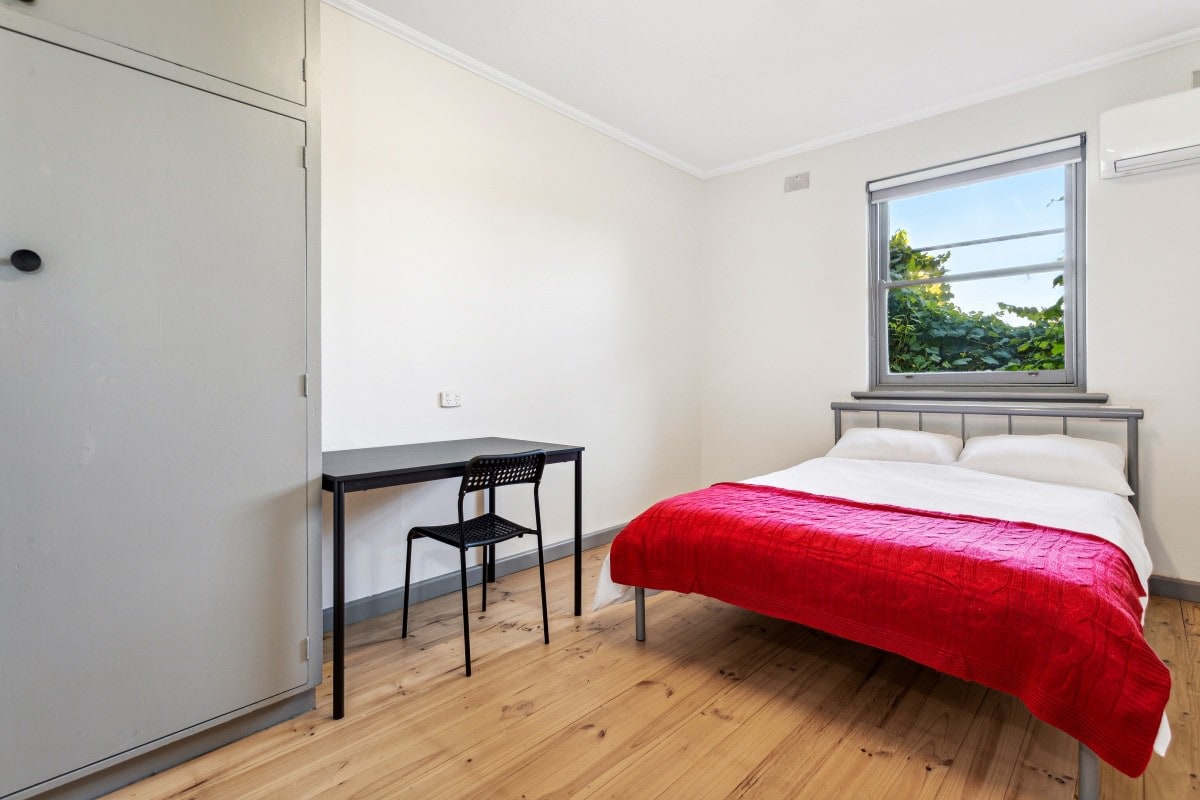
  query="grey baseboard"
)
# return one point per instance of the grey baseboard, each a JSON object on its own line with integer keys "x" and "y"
{"x": 393, "y": 599}
{"x": 1176, "y": 588}
{"x": 169, "y": 755}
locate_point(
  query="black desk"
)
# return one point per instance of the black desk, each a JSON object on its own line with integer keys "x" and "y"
{"x": 376, "y": 467}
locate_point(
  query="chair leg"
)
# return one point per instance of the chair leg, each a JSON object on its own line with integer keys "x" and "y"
{"x": 462, "y": 561}
{"x": 542, "y": 575}
{"x": 407, "y": 576}
{"x": 484, "y": 574}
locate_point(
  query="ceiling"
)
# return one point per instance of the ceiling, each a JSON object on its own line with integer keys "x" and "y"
{"x": 711, "y": 86}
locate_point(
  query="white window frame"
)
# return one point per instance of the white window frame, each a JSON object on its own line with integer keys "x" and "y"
{"x": 1067, "y": 152}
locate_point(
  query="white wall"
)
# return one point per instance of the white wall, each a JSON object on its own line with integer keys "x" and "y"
{"x": 785, "y": 288}
{"x": 475, "y": 240}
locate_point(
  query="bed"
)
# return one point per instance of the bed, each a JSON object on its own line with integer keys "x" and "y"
{"x": 1017, "y": 563}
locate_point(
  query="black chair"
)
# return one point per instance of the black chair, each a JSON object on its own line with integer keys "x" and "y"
{"x": 486, "y": 472}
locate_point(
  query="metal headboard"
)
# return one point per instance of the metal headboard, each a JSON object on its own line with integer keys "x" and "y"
{"x": 1129, "y": 416}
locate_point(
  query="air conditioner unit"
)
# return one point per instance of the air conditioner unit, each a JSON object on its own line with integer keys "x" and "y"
{"x": 1155, "y": 134}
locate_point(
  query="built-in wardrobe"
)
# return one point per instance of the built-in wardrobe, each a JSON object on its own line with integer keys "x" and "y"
{"x": 159, "y": 433}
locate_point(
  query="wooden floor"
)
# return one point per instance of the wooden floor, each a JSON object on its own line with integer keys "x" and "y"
{"x": 718, "y": 703}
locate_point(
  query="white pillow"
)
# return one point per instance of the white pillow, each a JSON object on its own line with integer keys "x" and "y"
{"x": 892, "y": 444}
{"x": 1052, "y": 458}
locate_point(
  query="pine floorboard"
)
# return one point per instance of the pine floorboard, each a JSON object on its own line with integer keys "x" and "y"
{"x": 718, "y": 703}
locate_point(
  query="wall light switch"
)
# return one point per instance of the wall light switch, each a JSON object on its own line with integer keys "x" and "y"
{"x": 450, "y": 398}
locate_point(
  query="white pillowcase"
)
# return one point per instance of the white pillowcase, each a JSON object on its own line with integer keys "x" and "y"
{"x": 892, "y": 444}
{"x": 1051, "y": 458}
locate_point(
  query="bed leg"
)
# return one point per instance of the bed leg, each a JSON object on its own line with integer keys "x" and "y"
{"x": 1089, "y": 774}
{"x": 639, "y": 613}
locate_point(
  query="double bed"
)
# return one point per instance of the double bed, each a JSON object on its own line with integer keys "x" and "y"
{"x": 1016, "y": 561}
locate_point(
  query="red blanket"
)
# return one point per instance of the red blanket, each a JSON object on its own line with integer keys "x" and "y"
{"x": 1050, "y": 616}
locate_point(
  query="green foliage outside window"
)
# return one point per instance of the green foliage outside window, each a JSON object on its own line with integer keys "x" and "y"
{"x": 927, "y": 332}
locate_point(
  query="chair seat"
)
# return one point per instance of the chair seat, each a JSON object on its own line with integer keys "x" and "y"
{"x": 482, "y": 530}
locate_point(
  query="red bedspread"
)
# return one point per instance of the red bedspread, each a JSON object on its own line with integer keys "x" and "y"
{"x": 1050, "y": 616}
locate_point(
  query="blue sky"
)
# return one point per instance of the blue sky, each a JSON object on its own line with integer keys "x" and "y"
{"x": 1014, "y": 204}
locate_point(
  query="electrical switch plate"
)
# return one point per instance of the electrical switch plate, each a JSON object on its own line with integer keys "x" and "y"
{"x": 450, "y": 398}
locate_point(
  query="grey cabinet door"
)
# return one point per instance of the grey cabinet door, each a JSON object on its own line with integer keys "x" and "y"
{"x": 153, "y": 531}
{"x": 259, "y": 44}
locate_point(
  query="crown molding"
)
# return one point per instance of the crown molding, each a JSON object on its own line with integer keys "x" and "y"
{"x": 1025, "y": 84}
{"x": 401, "y": 31}
{"x": 431, "y": 45}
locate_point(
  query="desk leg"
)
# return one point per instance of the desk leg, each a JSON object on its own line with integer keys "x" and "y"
{"x": 579, "y": 535}
{"x": 339, "y": 601}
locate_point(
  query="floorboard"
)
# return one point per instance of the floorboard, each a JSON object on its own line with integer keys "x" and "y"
{"x": 718, "y": 703}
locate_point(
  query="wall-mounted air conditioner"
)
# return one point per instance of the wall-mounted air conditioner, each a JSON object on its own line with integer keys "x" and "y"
{"x": 1151, "y": 135}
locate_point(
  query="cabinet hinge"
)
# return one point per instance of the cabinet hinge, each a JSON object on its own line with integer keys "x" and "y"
{"x": 304, "y": 650}
{"x": 304, "y": 385}
{"x": 304, "y": 157}
{"x": 304, "y": 69}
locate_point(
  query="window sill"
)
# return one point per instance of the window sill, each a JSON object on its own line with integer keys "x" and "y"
{"x": 1001, "y": 396}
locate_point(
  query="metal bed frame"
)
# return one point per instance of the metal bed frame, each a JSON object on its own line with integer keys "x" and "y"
{"x": 1063, "y": 412}
{"x": 1089, "y": 763}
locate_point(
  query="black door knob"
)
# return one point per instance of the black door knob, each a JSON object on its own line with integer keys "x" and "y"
{"x": 25, "y": 260}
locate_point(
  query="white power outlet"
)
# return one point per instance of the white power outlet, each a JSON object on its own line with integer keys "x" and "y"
{"x": 450, "y": 398}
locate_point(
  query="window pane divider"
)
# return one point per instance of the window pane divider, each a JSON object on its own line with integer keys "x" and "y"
{"x": 1007, "y": 238}
{"x": 1003, "y": 272}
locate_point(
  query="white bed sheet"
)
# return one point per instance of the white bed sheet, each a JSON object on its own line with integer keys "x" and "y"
{"x": 954, "y": 490}
{"x": 950, "y": 489}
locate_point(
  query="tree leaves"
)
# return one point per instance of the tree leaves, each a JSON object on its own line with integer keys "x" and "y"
{"x": 929, "y": 333}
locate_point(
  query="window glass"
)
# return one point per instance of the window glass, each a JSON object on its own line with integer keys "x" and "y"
{"x": 977, "y": 275}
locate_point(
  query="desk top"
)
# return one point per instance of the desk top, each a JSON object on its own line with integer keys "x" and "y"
{"x": 412, "y": 463}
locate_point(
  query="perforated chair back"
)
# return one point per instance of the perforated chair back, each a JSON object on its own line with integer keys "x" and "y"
{"x": 488, "y": 472}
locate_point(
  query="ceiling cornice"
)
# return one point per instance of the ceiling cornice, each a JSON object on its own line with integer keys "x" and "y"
{"x": 415, "y": 37}
{"x": 1070, "y": 71}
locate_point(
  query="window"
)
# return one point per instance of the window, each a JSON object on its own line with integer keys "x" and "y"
{"x": 977, "y": 272}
